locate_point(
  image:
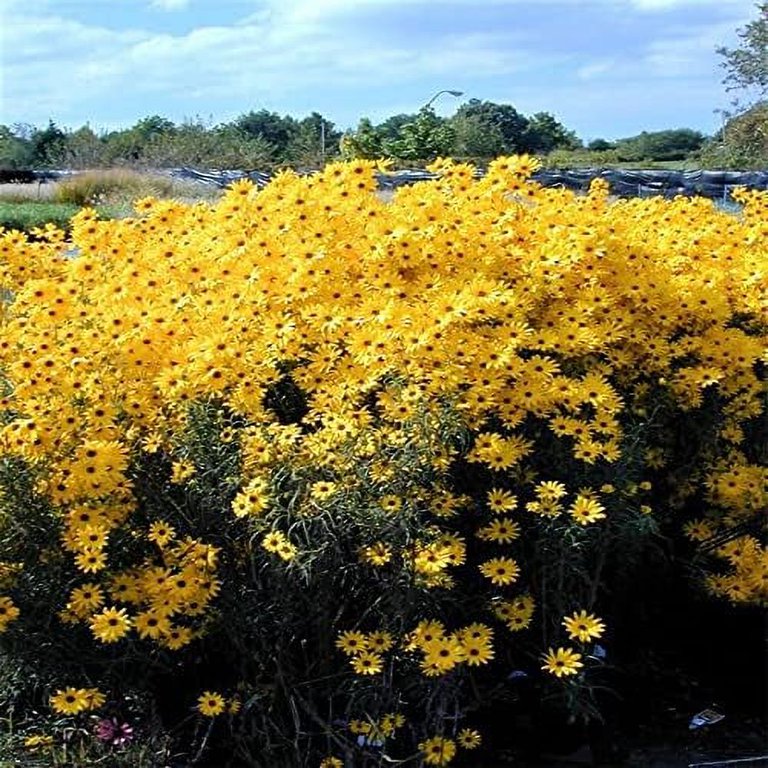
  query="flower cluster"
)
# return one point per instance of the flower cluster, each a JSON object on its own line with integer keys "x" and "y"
{"x": 303, "y": 409}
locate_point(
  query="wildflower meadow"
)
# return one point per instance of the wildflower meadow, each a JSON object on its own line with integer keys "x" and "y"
{"x": 301, "y": 477}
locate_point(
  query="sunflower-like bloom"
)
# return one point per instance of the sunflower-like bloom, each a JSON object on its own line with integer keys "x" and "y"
{"x": 71, "y": 701}
{"x": 583, "y": 626}
{"x": 438, "y": 751}
{"x": 562, "y": 662}
{"x": 210, "y": 704}
{"x": 469, "y": 738}
{"x": 110, "y": 625}
{"x": 500, "y": 570}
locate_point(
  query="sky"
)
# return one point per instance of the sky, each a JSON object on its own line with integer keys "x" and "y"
{"x": 604, "y": 68}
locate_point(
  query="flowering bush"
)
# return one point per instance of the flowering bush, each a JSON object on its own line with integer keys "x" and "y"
{"x": 302, "y": 475}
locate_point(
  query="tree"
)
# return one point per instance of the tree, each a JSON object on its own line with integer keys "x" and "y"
{"x": 48, "y": 145}
{"x": 154, "y": 126}
{"x": 489, "y": 129}
{"x": 84, "y": 149}
{"x": 15, "y": 150}
{"x": 744, "y": 145}
{"x": 391, "y": 127}
{"x": 600, "y": 145}
{"x": 747, "y": 66}
{"x": 366, "y": 142}
{"x": 425, "y": 138}
{"x": 545, "y": 133}
{"x": 674, "y": 144}
{"x": 315, "y": 139}
{"x": 476, "y": 139}
{"x": 270, "y": 126}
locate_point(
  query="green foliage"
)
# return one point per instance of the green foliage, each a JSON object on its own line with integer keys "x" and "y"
{"x": 29, "y": 215}
{"x": 486, "y": 129}
{"x": 600, "y": 145}
{"x": 49, "y": 145}
{"x": 660, "y": 145}
{"x": 581, "y": 158}
{"x": 743, "y": 143}
{"x": 366, "y": 142}
{"x": 15, "y": 152}
{"x": 747, "y": 65}
{"x": 545, "y": 133}
{"x": 425, "y": 138}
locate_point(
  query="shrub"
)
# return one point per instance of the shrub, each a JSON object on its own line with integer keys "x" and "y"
{"x": 122, "y": 186}
{"x": 305, "y": 475}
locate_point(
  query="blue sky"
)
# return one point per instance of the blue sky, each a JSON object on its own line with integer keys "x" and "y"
{"x": 605, "y": 68}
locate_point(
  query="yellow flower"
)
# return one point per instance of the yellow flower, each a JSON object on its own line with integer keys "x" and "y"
{"x": 322, "y": 490}
{"x": 441, "y": 655}
{"x": 391, "y": 503}
{"x": 91, "y": 560}
{"x": 352, "y": 643}
{"x": 177, "y": 637}
{"x": 95, "y": 697}
{"x": 70, "y": 701}
{"x": 210, "y": 704}
{"x": 161, "y": 533}
{"x": 331, "y": 762}
{"x": 110, "y": 625}
{"x": 586, "y": 510}
{"x": 561, "y": 662}
{"x": 469, "y": 738}
{"x": 379, "y": 641}
{"x": 367, "y": 663}
{"x": 477, "y": 650}
{"x": 501, "y": 501}
{"x": 181, "y": 471}
{"x": 86, "y": 599}
{"x": 583, "y": 626}
{"x": 273, "y": 541}
{"x": 377, "y": 554}
{"x": 8, "y": 612}
{"x": 36, "y": 741}
{"x": 438, "y": 751}
{"x": 500, "y": 530}
{"x": 152, "y": 624}
{"x": 500, "y": 570}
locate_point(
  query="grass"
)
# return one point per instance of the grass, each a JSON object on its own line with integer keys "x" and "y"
{"x": 26, "y": 216}
{"x": 111, "y": 192}
{"x": 122, "y": 186}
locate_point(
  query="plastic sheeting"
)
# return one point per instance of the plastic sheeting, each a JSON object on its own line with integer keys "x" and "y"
{"x": 716, "y": 185}
{"x": 713, "y": 184}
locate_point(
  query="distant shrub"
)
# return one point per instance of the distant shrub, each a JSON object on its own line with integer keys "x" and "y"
{"x": 111, "y": 185}
{"x": 581, "y": 158}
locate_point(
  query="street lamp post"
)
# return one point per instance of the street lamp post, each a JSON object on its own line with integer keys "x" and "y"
{"x": 439, "y": 93}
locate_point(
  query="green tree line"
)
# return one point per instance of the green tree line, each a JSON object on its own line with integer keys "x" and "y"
{"x": 478, "y": 131}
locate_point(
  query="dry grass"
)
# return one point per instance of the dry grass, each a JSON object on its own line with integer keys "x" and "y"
{"x": 27, "y": 193}
{"x": 123, "y": 186}
{"x": 116, "y": 187}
